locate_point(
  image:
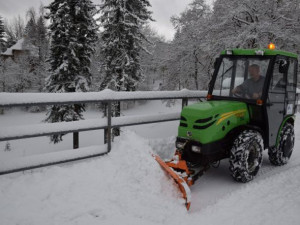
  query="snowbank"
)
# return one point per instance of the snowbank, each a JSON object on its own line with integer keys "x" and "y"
{"x": 50, "y": 158}
{"x": 127, "y": 186}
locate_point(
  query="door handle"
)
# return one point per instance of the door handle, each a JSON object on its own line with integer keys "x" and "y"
{"x": 281, "y": 112}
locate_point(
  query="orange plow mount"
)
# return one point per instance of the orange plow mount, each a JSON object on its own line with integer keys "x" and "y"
{"x": 182, "y": 174}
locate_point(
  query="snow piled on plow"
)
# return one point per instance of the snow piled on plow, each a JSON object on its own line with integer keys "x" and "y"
{"x": 128, "y": 187}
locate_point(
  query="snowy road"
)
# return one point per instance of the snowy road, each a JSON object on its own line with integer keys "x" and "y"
{"x": 127, "y": 186}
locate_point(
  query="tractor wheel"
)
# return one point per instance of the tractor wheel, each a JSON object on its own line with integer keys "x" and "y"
{"x": 246, "y": 156}
{"x": 281, "y": 154}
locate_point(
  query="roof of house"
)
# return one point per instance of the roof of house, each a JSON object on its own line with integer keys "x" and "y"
{"x": 18, "y": 46}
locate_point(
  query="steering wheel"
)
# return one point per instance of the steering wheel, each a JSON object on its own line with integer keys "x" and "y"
{"x": 238, "y": 95}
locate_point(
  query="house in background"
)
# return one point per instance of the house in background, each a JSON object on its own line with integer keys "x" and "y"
{"x": 20, "y": 50}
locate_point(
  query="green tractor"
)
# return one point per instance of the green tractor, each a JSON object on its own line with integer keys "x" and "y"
{"x": 250, "y": 107}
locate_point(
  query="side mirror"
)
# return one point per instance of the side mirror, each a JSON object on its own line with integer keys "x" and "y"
{"x": 283, "y": 66}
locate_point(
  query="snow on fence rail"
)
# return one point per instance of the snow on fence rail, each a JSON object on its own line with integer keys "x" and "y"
{"x": 106, "y": 97}
{"x": 30, "y": 99}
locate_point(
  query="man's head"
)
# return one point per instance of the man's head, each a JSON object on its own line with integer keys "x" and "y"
{"x": 254, "y": 72}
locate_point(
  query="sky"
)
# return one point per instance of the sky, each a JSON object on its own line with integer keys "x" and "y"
{"x": 162, "y": 11}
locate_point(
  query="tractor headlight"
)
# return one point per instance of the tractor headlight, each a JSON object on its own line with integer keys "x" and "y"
{"x": 196, "y": 149}
{"x": 180, "y": 145}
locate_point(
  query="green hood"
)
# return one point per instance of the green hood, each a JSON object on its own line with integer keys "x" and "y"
{"x": 210, "y": 121}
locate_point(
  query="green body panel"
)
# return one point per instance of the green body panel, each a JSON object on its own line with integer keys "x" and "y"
{"x": 293, "y": 117}
{"x": 213, "y": 120}
{"x": 254, "y": 52}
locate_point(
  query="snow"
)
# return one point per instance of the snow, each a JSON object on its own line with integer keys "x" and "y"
{"x": 16, "y": 132}
{"x": 13, "y": 99}
{"x": 127, "y": 186}
{"x": 158, "y": 132}
{"x": 8, "y": 52}
{"x": 105, "y": 190}
{"x": 43, "y": 159}
{"x": 17, "y": 46}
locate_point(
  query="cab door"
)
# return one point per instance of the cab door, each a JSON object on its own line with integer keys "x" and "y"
{"x": 277, "y": 96}
{"x": 291, "y": 88}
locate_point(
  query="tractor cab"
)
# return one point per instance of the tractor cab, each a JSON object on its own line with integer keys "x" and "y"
{"x": 266, "y": 80}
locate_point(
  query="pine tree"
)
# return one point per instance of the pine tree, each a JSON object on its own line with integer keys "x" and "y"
{"x": 14, "y": 30}
{"x": 122, "y": 41}
{"x": 2, "y": 33}
{"x": 74, "y": 33}
{"x": 122, "y": 37}
{"x": 42, "y": 44}
{"x": 36, "y": 39}
{"x": 186, "y": 49}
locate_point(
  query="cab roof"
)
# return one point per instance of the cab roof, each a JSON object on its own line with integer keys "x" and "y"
{"x": 266, "y": 52}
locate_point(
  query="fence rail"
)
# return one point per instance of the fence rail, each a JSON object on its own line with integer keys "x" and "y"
{"x": 40, "y": 99}
{"x": 106, "y": 97}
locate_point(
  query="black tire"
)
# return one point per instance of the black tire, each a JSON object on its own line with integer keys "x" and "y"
{"x": 281, "y": 154}
{"x": 246, "y": 156}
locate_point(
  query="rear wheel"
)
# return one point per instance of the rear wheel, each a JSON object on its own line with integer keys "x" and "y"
{"x": 281, "y": 154}
{"x": 246, "y": 156}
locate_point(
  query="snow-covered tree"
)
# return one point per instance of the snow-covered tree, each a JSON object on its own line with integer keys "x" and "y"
{"x": 74, "y": 33}
{"x": 14, "y": 30}
{"x": 37, "y": 41}
{"x": 122, "y": 42}
{"x": 2, "y": 34}
{"x": 16, "y": 76}
{"x": 201, "y": 35}
{"x": 187, "y": 61}
{"x": 31, "y": 27}
{"x": 254, "y": 24}
{"x": 152, "y": 61}
{"x": 122, "y": 39}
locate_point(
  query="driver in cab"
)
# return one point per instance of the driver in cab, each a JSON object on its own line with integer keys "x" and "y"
{"x": 251, "y": 88}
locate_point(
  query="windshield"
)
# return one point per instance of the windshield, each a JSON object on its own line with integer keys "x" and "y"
{"x": 241, "y": 77}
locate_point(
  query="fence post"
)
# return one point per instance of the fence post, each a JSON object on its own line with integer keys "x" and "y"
{"x": 184, "y": 102}
{"x": 105, "y": 115}
{"x": 76, "y": 134}
{"x": 297, "y": 100}
{"x": 108, "y": 132}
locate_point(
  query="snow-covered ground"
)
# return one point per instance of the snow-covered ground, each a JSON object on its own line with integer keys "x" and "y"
{"x": 128, "y": 187}
{"x": 40, "y": 145}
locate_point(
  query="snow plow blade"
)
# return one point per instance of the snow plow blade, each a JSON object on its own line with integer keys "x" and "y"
{"x": 182, "y": 182}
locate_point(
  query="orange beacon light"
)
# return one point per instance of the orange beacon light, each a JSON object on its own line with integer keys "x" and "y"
{"x": 271, "y": 46}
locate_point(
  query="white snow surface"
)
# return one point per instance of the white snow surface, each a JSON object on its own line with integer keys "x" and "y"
{"x": 121, "y": 187}
{"x": 52, "y": 157}
{"x": 127, "y": 186}
{"x": 47, "y": 128}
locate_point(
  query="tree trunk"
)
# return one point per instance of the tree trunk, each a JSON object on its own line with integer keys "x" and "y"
{"x": 196, "y": 70}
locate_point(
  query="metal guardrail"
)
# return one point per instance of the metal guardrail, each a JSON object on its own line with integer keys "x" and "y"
{"x": 106, "y": 97}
